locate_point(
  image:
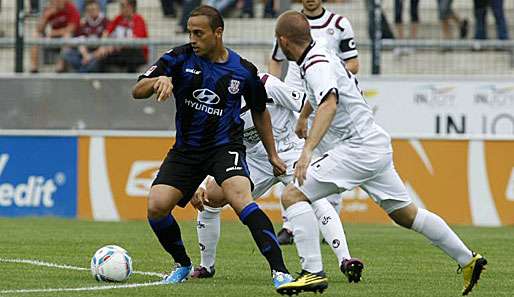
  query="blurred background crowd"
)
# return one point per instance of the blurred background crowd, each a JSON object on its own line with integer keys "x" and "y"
{"x": 249, "y": 25}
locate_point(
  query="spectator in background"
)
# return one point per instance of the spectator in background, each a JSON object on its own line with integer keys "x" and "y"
{"x": 480, "y": 19}
{"x": 81, "y": 5}
{"x": 270, "y": 9}
{"x": 60, "y": 19}
{"x": 34, "y": 7}
{"x": 246, "y": 8}
{"x": 94, "y": 23}
{"x": 223, "y": 6}
{"x": 168, "y": 8}
{"x": 2, "y": 32}
{"x": 398, "y": 20}
{"x": 446, "y": 13}
{"x": 128, "y": 24}
{"x": 187, "y": 8}
{"x": 386, "y": 31}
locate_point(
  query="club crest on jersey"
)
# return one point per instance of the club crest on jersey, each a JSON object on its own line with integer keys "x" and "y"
{"x": 234, "y": 87}
{"x": 330, "y": 31}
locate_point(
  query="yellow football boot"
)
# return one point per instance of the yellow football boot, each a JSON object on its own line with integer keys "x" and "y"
{"x": 472, "y": 271}
{"x": 306, "y": 282}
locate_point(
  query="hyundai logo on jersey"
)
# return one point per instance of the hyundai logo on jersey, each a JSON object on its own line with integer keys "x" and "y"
{"x": 206, "y": 96}
{"x": 38, "y": 176}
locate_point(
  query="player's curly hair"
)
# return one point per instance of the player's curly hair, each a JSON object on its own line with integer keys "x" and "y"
{"x": 215, "y": 18}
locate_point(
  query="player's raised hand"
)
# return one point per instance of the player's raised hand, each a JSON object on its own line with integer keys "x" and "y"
{"x": 199, "y": 198}
{"x": 162, "y": 88}
{"x": 301, "y": 128}
{"x": 279, "y": 166}
{"x": 300, "y": 171}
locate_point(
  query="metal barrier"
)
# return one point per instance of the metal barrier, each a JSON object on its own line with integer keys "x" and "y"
{"x": 429, "y": 50}
{"x": 433, "y": 56}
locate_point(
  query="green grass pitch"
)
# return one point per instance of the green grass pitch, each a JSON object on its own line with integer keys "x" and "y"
{"x": 398, "y": 262}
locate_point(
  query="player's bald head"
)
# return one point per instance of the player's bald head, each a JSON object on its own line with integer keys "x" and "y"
{"x": 293, "y": 26}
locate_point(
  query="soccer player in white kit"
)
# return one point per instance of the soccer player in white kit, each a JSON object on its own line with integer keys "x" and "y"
{"x": 336, "y": 33}
{"x": 357, "y": 152}
{"x": 283, "y": 104}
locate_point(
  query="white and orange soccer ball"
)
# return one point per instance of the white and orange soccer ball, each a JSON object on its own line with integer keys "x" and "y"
{"x": 111, "y": 263}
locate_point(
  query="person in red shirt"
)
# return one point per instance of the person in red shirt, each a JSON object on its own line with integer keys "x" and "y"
{"x": 60, "y": 19}
{"x": 84, "y": 59}
{"x": 128, "y": 24}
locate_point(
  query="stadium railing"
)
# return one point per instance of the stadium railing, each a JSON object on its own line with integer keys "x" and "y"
{"x": 429, "y": 56}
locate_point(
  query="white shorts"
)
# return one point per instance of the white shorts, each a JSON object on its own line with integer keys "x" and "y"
{"x": 344, "y": 168}
{"x": 261, "y": 171}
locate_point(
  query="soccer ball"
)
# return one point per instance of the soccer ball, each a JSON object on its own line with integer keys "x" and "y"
{"x": 111, "y": 263}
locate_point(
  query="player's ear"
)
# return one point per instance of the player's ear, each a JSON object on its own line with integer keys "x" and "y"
{"x": 218, "y": 32}
{"x": 282, "y": 41}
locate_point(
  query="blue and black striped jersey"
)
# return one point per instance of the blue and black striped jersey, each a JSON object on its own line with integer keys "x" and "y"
{"x": 208, "y": 96}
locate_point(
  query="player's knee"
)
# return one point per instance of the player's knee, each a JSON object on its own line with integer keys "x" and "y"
{"x": 291, "y": 195}
{"x": 156, "y": 209}
{"x": 405, "y": 216}
{"x": 157, "y": 206}
{"x": 237, "y": 189}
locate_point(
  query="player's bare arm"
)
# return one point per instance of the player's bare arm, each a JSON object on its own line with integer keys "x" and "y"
{"x": 275, "y": 67}
{"x": 302, "y": 123}
{"x": 352, "y": 65}
{"x": 322, "y": 121}
{"x": 161, "y": 86}
{"x": 262, "y": 122}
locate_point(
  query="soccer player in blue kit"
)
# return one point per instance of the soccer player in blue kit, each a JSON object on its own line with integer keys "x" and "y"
{"x": 208, "y": 81}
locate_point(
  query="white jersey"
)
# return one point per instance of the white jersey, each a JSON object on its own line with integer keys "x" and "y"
{"x": 322, "y": 73}
{"x": 330, "y": 30}
{"x": 283, "y": 104}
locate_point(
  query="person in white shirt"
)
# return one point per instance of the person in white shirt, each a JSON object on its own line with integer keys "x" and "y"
{"x": 283, "y": 104}
{"x": 357, "y": 152}
{"x": 335, "y": 32}
{"x": 330, "y": 29}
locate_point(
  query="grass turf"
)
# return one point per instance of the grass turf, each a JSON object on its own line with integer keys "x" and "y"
{"x": 398, "y": 262}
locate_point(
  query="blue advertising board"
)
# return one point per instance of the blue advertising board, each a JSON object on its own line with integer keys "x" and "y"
{"x": 38, "y": 176}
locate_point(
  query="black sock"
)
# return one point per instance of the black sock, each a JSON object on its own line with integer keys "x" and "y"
{"x": 168, "y": 233}
{"x": 264, "y": 235}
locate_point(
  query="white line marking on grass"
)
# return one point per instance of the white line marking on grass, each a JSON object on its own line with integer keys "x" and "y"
{"x": 98, "y": 288}
{"x": 69, "y": 267}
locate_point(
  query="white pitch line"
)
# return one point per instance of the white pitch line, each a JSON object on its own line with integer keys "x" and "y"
{"x": 98, "y": 288}
{"x": 69, "y": 267}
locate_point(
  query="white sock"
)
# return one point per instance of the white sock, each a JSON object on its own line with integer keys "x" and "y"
{"x": 306, "y": 235}
{"x": 335, "y": 200}
{"x": 286, "y": 224}
{"x": 208, "y": 229}
{"x": 332, "y": 229}
{"x": 439, "y": 233}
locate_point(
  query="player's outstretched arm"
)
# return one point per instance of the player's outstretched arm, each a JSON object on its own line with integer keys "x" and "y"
{"x": 262, "y": 122}
{"x": 146, "y": 87}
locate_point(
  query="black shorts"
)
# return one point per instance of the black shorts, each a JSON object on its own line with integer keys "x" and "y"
{"x": 185, "y": 170}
